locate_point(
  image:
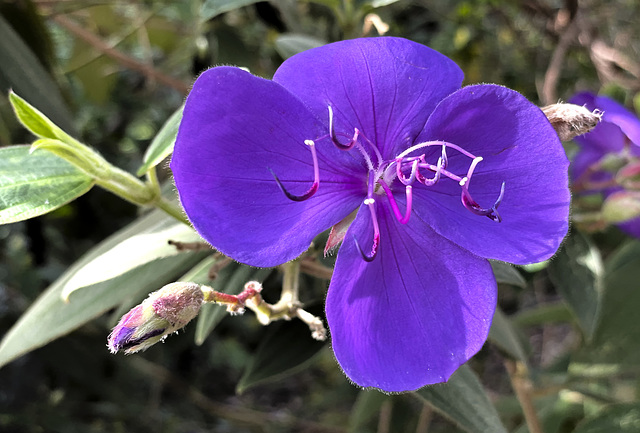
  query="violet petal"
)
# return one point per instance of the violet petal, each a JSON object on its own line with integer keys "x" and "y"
{"x": 414, "y": 314}
{"x": 385, "y": 87}
{"x": 237, "y": 129}
{"x": 520, "y": 148}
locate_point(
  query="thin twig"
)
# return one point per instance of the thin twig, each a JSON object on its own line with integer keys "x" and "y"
{"x": 523, "y": 389}
{"x": 424, "y": 421}
{"x": 125, "y": 60}
{"x": 549, "y": 94}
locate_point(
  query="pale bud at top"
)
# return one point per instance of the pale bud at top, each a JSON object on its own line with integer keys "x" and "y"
{"x": 570, "y": 120}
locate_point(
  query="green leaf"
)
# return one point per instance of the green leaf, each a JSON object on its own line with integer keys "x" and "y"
{"x": 285, "y": 349}
{"x": 49, "y": 317}
{"x": 149, "y": 244}
{"x": 463, "y": 400}
{"x": 507, "y": 274}
{"x": 162, "y": 144}
{"x": 213, "y": 8}
{"x": 32, "y": 184}
{"x": 504, "y": 335}
{"x": 618, "y": 418}
{"x": 231, "y": 279}
{"x": 617, "y": 332}
{"x": 35, "y": 121}
{"x": 577, "y": 272}
{"x": 21, "y": 70}
{"x": 289, "y": 44}
{"x": 547, "y": 313}
{"x": 367, "y": 407}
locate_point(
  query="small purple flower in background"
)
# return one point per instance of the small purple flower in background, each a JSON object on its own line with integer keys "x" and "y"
{"x": 162, "y": 313}
{"x": 435, "y": 179}
{"x": 617, "y": 134}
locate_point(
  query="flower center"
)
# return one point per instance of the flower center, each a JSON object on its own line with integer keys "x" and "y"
{"x": 410, "y": 169}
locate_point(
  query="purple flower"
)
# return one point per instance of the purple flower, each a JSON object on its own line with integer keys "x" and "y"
{"x": 436, "y": 179}
{"x": 618, "y": 133}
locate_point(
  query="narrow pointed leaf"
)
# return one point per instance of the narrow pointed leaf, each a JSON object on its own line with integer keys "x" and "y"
{"x": 504, "y": 335}
{"x": 617, "y": 333}
{"x": 463, "y": 400}
{"x": 366, "y": 408}
{"x": 290, "y": 44}
{"x": 149, "y": 244}
{"x": 162, "y": 144}
{"x": 32, "y": 184}
{"x": 285, "y": 349}
{"x": 507, "y": 274}
{"x": 49, "y": 317}
{"x": 21, "y": 70}
{"x": 577, "y": 272}
{"x": 212, "y": 8}
{"x": 619, "y": 418}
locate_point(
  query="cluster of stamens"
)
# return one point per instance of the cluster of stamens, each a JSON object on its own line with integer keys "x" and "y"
{"x": 407, "y": 168}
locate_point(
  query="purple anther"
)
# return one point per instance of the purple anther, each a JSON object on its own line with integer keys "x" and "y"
{"x": 316, "y": 177}
{"x": 334, "y": 137}
{"x": 376, "y": 233}
{"x": 414, "y": 170}
{"x": 394, "y": 205}
{"x": 474, "y": 207}
{"x": 370, "y": 202}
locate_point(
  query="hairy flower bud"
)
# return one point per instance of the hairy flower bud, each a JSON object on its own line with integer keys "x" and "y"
{"x": 621, "y": 206}
{"x": 163, "y": 312}
{"x": 570, "y": 120}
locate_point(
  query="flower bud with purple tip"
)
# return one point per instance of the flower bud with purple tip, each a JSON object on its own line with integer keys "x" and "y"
{"x": 163, "y": 312}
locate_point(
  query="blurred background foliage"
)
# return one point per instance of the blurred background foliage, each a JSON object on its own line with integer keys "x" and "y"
{"x": 112, "y": 72}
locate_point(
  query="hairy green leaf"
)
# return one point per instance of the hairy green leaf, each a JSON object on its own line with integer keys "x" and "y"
{"x": 284, "y": 350}
{"x": 577, "y": 272}
{"x": 32, "y": 184}
{"x": 504, "y": 335}
{"x": 49, "y": 317}
{"x": 290, "y": 44}
{"x": 147, "y": 244}
{"x": 21, "y": 71}
{"x": 463, "y": 400}
{"x": 162, "y": 144}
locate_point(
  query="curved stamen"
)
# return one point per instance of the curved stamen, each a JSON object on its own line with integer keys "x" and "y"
{"x": 436, "y": 143}
{"x": 414, "y": 169}
{"x": 376, "y": 233}
{"x": 473, "y": 206}
{"x": 394, "y": 205}
{"x": 439, "y": 168}
{"x": 334, "y": 137}
{"x": 316, "y": 177}
{"x": 370, "y": 202}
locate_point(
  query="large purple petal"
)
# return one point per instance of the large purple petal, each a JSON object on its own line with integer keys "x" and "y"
{"x": 520, "y": 148}
{"x": 414, "y": 314}
{"x": 386, "y": 87}
{"x": 235, "y": 128}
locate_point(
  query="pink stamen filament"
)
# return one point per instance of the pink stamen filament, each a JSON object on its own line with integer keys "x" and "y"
{"x": 353, "y": 142}
{"x": 394, "y": 205}
{"x": 473, "y": 206}
{"x": 370, "y": 202}
{"x": 316, "y": 177}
